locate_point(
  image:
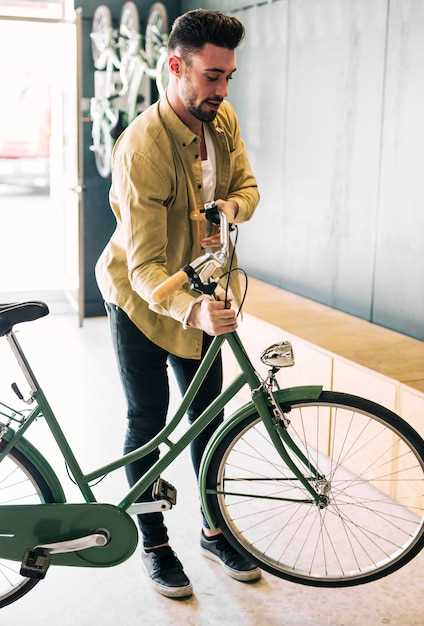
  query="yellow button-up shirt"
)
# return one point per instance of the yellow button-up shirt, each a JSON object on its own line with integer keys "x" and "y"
{"x": 156, "y": 198}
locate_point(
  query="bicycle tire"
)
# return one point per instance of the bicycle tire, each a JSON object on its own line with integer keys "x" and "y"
{"x": 14, "y": 467}
{"x": 162, "y": 75}
{"x": 101, "y": 27}
{"x": 332, "y": 556}
{"x": 156, "y": 32}
{"x": 129, "y": 26}
{"x": 103, "y": 150}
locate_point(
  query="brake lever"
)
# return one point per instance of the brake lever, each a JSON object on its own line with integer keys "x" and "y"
{"x": 197, "y": 283}
{"x": 201, "y": 269}
{"x": 211, "y": 212}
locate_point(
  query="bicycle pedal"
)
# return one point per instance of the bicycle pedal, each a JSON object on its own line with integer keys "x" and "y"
{"x": 35, "y": 563}
{"x": 163, "y": 490}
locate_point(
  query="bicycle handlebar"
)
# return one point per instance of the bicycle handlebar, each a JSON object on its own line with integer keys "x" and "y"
{"x": 168, "y": 286}
{"x": 202, "y": 268}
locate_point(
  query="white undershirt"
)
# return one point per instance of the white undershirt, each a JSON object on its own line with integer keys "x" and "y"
{"x": 209, "y": 168}
{"x": 208, "y": 194}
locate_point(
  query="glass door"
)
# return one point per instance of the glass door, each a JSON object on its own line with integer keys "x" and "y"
{"x": 67, "y": 186}
{"x": 41, "y": 195}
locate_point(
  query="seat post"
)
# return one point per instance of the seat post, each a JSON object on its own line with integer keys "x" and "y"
{"x": 23, "y": 363}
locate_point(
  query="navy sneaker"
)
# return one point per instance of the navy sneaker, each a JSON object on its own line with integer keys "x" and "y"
{"x": 235, "y": 564}
{"x": 166, "y": 572}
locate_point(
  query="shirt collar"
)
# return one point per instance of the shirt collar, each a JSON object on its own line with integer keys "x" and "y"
{"x": 180, "y": 131}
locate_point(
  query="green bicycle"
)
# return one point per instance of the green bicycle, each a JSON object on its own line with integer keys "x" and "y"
{"x": 317, "y": 487}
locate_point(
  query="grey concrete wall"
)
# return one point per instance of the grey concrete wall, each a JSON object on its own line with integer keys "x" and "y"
{"x": 330, "y": 95}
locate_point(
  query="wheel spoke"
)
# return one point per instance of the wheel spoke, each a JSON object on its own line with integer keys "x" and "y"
{"x": 304, "y": 440}
{"x": 334, "y": 549}
{"x": 295, "y": 532}
{"x": 342, "y": 448}
{"x": 6, "y": 577}
{"x": 18, "y": 484}
{"x": 372, "y": 476}
{"x": 30, "y": 495}
{"x": 275, "y": 508}
{"x": 8, "y": 475}
{"x": 381, "y": 516}
{"x": 367, "y": 531}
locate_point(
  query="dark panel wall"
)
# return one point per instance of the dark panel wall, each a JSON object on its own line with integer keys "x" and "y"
{"x": 329, "y": 95}
{"x": 99, "y": 220}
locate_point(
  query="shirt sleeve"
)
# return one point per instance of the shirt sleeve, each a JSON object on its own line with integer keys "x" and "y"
{"x": 142, "y": 193}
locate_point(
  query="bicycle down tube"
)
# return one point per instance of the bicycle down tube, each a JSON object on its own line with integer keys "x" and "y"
{"x": 248, "y": 376}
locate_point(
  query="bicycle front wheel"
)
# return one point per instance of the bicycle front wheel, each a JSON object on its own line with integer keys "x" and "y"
{"x": 20, "y": 483}
{"x": 372, "y": 471}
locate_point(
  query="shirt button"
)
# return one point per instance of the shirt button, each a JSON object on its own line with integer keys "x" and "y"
{"x": 184, "y": 145}
{"x": 199, "y": 186}
{"x": 196, "y": 156}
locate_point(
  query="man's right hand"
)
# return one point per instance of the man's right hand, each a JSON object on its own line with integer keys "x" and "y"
{"x": 212, "y": 317}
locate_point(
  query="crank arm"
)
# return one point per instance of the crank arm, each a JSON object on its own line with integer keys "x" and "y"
{"x": 98, "y": 539}
{"x": 149, "y": 507}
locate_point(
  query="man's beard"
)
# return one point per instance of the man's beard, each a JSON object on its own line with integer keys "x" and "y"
{"x": 200, "y": 114}
{"x": 197, "y": 111}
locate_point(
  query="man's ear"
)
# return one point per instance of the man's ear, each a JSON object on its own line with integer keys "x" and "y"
{"x": 175, "y": 65}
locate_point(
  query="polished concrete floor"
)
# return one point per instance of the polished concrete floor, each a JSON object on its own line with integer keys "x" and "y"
{"x": 77, "y": 371}
{"x": 29, "y": 262}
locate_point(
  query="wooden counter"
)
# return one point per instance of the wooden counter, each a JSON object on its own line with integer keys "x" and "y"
{"x": 387, "y": 352}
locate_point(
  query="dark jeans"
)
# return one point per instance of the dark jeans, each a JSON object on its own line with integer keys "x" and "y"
{"x": 143, "y": 370}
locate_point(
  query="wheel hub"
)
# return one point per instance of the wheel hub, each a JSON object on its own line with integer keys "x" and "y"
{"x": 323, "y": 487}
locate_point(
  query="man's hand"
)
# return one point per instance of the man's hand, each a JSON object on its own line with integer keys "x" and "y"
{"x": 230, "y": 209}
{"x": 214, "y": 240}
{"x": 212, "y": 317}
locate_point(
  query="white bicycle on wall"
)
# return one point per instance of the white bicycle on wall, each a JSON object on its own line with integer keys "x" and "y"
{"x": 124, "y": 64}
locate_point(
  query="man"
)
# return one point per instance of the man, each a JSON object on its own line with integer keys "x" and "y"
{"x": 178, "y": 154}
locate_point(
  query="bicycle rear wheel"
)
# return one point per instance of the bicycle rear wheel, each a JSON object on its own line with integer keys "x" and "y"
{"x": 373, "y": 467}
{"x": 20, "y": 483}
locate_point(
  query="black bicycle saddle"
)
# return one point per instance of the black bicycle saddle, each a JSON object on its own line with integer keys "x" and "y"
{"x": 15, "y": 312}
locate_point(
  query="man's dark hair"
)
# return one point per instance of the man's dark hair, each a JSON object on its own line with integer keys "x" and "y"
{"x": 192, "y": 30}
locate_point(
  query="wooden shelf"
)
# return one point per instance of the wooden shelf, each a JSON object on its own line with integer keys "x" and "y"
{"x": 390, "y": 353}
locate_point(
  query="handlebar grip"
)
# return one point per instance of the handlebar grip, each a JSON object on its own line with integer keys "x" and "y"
{"x": 168, "y": 286}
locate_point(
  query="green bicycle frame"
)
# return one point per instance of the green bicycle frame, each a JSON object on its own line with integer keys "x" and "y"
{"x": 248, "y": 375}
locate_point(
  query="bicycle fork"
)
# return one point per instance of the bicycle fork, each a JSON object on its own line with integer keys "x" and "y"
{"x": 276, "y": 427}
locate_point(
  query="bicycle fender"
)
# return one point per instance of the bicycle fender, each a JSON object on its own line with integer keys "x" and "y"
{"x": 40, "y": 463}
{"x": 283, "y": 396}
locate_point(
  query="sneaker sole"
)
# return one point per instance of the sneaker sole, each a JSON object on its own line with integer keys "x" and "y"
{"x": 173, "y": 592}
{"x": 242, "y": 576}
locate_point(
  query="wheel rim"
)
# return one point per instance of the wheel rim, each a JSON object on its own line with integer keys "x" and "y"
{"x": 103, "y": 151}
{"x": 375, "y": 514}
{"x": 129, "y": 29}
{"x": 162, "y": 75}
{"x": 156, "y": 32}
{"x": 101, "y": 35}
{"x": 17, "y": 486}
